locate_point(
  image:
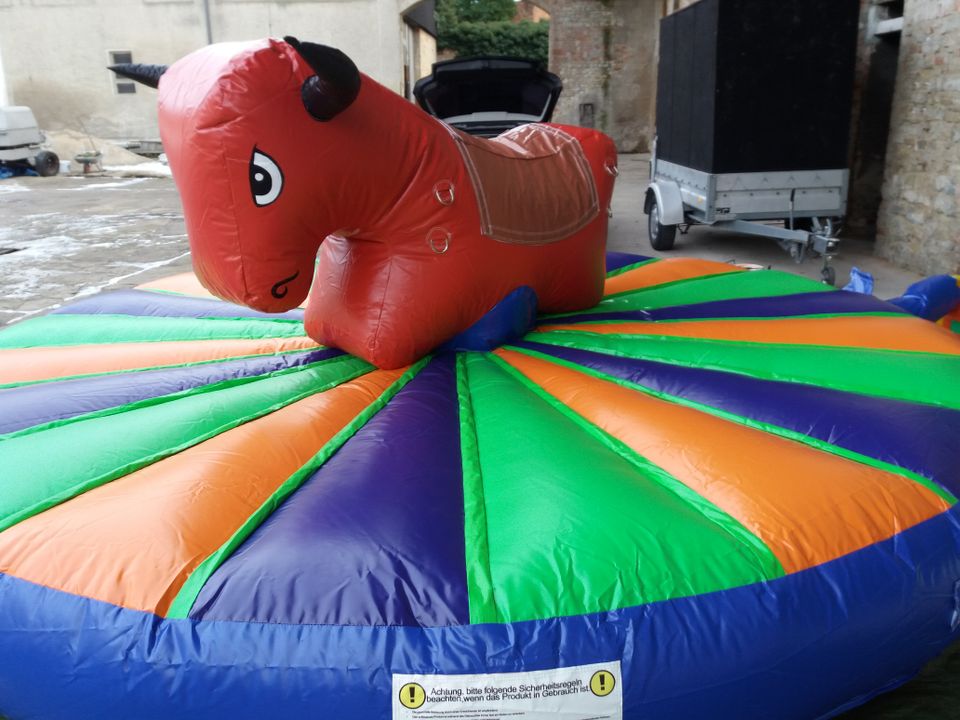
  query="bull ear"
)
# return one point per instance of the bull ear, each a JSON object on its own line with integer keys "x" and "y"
{"x": 335, "y": 85}
{"x": 147, "y": 74}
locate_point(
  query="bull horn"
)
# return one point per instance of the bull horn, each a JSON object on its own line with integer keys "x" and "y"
{"x": 147, "y": 74}
{"x": 335, "y": 85}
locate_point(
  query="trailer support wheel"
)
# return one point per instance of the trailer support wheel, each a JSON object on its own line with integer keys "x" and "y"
{"x": 828, "y": 275}
{"x": 662, "y": 237}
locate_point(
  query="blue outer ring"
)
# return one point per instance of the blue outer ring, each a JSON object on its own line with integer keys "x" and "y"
{"x": 808, "y": 645}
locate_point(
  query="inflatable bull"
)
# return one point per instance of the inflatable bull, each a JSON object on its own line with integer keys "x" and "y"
{"x": 281, "y": 148}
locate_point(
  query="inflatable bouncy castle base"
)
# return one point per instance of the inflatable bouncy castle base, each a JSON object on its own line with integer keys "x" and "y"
{"x": 719, "y": 493}
{"x": 951, "y": 321}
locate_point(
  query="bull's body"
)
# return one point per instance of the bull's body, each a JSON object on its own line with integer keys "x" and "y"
{"x": 421, "y": 230}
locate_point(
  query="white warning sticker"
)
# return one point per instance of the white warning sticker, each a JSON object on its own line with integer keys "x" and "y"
{"x": 583, "y": 692}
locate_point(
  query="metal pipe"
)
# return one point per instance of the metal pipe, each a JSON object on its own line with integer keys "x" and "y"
{"x": 4, "y": 99}
{"x": 206, "y": 17}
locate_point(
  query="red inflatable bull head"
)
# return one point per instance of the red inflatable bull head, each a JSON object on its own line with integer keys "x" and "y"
{"x": 295, "y": 170}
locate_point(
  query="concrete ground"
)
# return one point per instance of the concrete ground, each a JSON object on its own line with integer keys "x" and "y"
{"x": 67, "y": 237}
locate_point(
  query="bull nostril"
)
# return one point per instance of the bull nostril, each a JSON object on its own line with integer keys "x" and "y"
{"x": 279, "y": 290}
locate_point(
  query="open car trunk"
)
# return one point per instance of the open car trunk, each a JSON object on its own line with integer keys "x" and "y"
{"x": 488, "y": 95}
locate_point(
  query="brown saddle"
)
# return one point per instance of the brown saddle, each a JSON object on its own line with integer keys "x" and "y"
{"x": 533, "y": 184}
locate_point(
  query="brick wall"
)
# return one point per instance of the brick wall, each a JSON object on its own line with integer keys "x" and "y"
{"x": 606, "y": 53}
{"x": 527, "y": 10}
{"x": 918, "y": 224}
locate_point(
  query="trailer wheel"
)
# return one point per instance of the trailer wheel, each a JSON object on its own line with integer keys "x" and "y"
{"x": 46, "y": 163}
{"x": 662, "y": 237}
{"x": 820, "y": 226}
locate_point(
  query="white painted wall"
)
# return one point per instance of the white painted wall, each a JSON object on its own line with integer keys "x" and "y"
{"x": 427, "y": 53}
{"x": 4, "y": 96}
{"x": 55, "y": 52}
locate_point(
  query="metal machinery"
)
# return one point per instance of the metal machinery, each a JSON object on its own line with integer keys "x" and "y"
{"x": 21, "y": 141}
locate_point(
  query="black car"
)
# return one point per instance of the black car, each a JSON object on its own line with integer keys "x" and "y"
{"x": 488, "y": 95}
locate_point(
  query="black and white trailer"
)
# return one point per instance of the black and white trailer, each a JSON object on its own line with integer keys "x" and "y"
{"x": 753, "y": 121}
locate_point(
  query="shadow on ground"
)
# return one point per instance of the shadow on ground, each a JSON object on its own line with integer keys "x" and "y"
{"x": 933, "y": 695}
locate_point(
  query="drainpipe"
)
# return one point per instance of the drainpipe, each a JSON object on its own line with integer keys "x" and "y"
{"x": 206, "y": 18}
{"x": 4, "y": 100}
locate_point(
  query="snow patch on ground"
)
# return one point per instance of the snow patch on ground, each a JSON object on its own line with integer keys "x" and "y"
{"x": 26, "y": 273}
{"x": 61, "y": 245}
{"x": 140, "y": 268}
{"x": 102, "y": 185}
{"x": 6, "y": 188}
{"x": 31, "y": 272}
{"x": 140, "y": 170}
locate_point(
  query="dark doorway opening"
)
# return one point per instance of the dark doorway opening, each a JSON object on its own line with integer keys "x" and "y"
{"x": 873, "y": 129}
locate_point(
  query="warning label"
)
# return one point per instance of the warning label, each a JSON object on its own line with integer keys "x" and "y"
{"x": 583, "y": 692}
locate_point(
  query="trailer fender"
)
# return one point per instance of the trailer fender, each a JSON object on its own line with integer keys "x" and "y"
{"x": 667, "y": 196}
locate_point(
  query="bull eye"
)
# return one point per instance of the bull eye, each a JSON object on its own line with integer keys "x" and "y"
{"x": 266, "y": 178}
